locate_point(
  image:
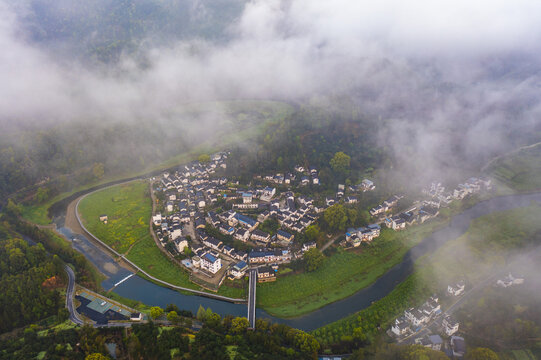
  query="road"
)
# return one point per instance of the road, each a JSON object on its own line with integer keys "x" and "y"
{"x": 74, "y": 316}
{"x": 330, "y": 242}
{"x": 252, "y": 297}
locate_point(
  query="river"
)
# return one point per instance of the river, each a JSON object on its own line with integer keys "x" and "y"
{"x": 151, "y": 294}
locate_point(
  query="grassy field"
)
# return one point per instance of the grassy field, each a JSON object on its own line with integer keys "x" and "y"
{"x": 342, "y": 274}
{"x": 251, "y": 114}
{"x": 520, "y": 171}
{"x": 129, "y": 208}
{"x": 472, "y": 257}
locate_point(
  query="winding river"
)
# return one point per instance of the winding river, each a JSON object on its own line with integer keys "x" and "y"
{"x": 154, "y": 295}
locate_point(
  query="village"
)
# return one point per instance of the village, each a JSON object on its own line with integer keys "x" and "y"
{"x": 218, "y": 226}
{"x": 431, "y": 326}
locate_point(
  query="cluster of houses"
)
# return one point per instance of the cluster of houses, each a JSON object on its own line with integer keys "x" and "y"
{"x": 304, "y": 177}
{"x": 355, "y": 236}
{"x": 509, "y": 280}
{"x": 414, "y": 319}
{"x": 471, "y": 186}
{"x": 190, "y": 193}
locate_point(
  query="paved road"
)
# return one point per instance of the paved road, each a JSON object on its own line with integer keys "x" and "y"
{"x": 74, "y": 316}
{"x": 252, "y": 297}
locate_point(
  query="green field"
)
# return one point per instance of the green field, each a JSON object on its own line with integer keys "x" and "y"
{"x": 342, "y": 274}
{"x": 520, "y": 171}
{"x": 129, "y": 208}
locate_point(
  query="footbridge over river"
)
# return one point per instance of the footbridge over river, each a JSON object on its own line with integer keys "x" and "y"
{"x": 251, "y": 297}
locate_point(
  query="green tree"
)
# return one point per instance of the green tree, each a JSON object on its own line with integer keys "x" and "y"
{"x": 156, "y": 312}
{"x": 204, "y": 158}
{"x": 98, "y": 170}
{"x": 312, "y": 232}
{"x": 42, "y": 194}
{"x": 173, "y": 317}
{"x": 239, "y": 325}
{"x": 201, "y": 313}
{"x": 340, "y": 162}
{"x": 481, "y": 354}
{"x": 336, "y": 217}
{"x": 313, "y": 259}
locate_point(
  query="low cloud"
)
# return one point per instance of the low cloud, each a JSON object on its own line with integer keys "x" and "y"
{"x": 431, "y": 69}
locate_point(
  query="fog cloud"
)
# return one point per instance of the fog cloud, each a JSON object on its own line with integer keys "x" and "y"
{"x": 428, "y": 66}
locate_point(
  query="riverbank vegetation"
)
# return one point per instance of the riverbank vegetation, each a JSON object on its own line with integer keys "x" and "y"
{"x": 341, "y": 274}
{"x": 491, "y": 242}
{"x": 520, "y": 170}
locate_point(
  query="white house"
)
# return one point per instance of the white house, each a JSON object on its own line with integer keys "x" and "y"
{"x": 457, "y": 289}
{"x": 180, "y": 244}
{"x": 157, "y": 219}
{"x": 239, "y": 269}
{"x": 450, "y": 325}
{"x": 400, "y": 327}
{"x": 211, "y": 263}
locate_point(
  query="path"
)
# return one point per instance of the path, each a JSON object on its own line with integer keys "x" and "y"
{"x": 330, "y": 242}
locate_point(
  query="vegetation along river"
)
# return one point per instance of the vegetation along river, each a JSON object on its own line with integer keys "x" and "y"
{"x": 154, "y": 295}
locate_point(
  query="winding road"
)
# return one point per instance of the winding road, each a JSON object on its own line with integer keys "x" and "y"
{"x": 74, "y": 316}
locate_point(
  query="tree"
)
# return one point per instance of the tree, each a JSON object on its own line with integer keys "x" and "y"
{"x": 201, "y": 313}
{"x": 312, "y": 232}
{"x": 313, "y": 258}
{"x": 98, "y": 170}
{"x": 340, "y": 162}
{"x": 156, "y": 312}
{"x": 173, "y": 317}
{"x": 204, "y": 158}
{"x": 42, "y": 194}
{"x": 96, "y": 356}
{"x": 336, "y": 217}
{"x": 481, "y": 354}
{"x": 62, "y": 315}
{"x": 239, "y": 325}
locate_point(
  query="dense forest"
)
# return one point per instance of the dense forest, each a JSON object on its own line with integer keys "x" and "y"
{"x": 28, "y": 279}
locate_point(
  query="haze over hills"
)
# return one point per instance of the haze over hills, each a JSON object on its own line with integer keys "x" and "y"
{"x": 407, "y": 94}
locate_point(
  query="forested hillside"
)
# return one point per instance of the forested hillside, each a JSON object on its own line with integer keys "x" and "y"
{"x": 28, "y": 279}
{"x": 59, "y": 157}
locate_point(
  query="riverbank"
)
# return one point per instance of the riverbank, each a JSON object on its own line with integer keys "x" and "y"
{"x": 491, "y": 242}
{"x": 346, "y": 272}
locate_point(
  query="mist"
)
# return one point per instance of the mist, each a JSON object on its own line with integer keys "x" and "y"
{"x": 443, "y": 83}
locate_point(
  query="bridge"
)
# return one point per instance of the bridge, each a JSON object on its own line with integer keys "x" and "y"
{"x": 251, "y": 297}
